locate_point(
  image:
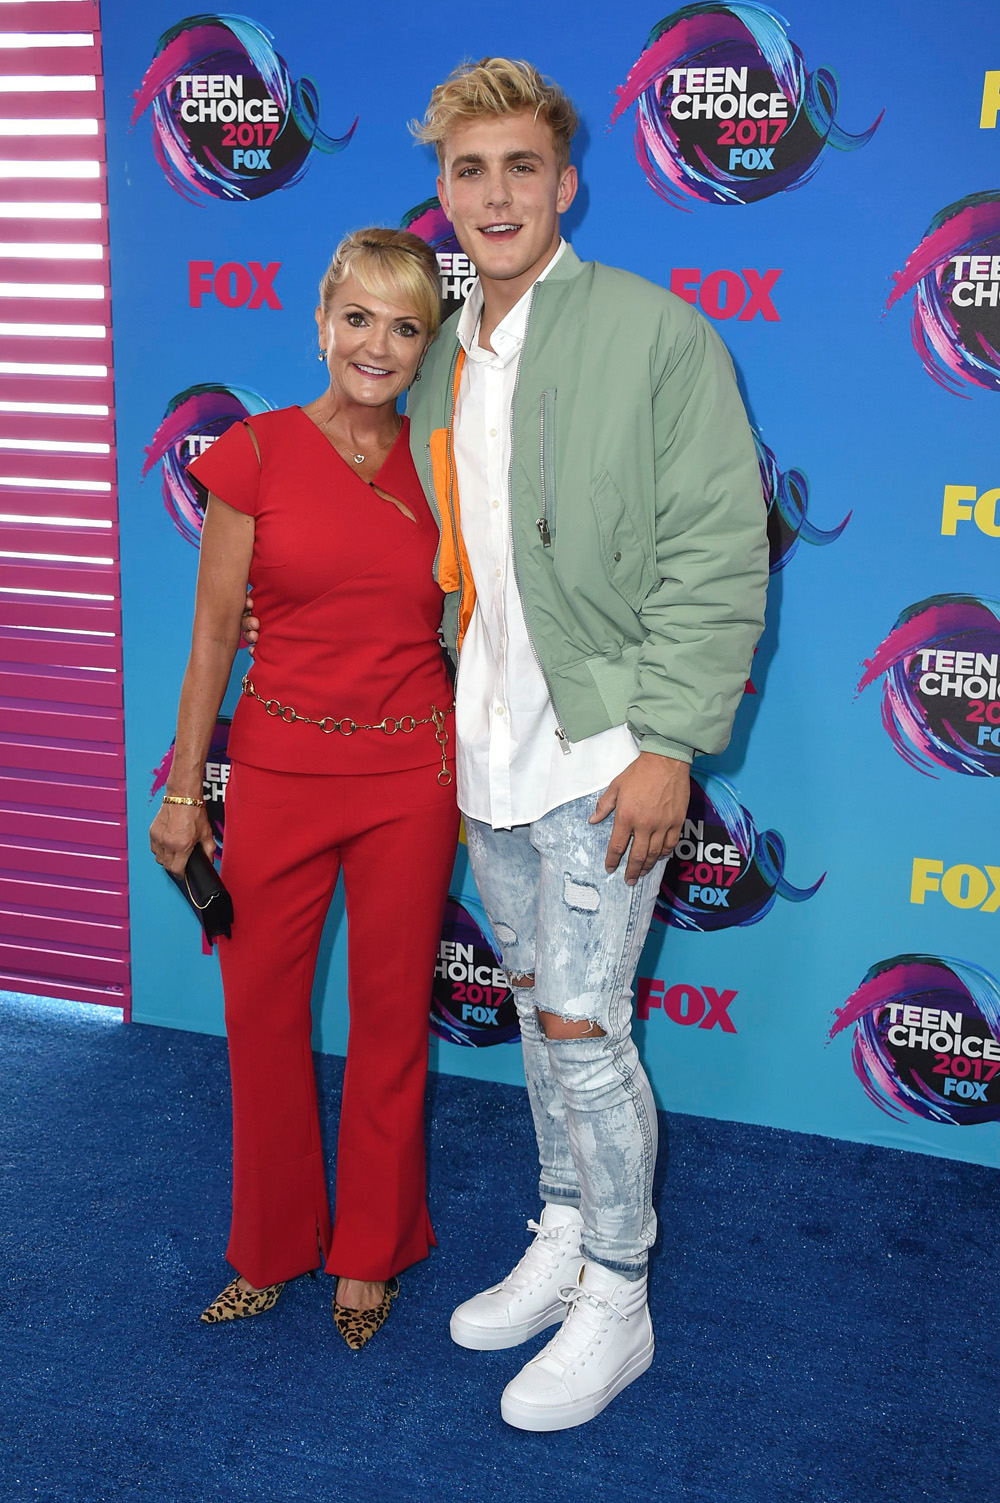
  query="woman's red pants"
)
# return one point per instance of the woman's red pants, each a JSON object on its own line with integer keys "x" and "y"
{"x": 287, "y": 838}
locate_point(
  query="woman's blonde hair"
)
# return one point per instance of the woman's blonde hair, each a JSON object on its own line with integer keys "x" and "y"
{"x": 496, "y": 86}
{"x": 389, "y": 264}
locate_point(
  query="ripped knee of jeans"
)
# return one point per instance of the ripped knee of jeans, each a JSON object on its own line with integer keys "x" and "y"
{"x": 556, "y": 1027}
{"x": 505, "y": 934}
{"x": 583, "y": 897}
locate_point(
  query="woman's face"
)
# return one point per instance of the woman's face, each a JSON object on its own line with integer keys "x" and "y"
{"x": 373, "y": 348}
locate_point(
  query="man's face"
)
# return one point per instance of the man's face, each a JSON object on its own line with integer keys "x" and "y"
{"x": 502, "y": 189}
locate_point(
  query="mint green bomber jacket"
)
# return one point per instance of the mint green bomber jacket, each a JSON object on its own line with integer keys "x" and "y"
{"x": 637, "y": 516}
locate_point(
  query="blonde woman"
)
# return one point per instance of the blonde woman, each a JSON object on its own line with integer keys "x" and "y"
{"x": 342, "y": 760}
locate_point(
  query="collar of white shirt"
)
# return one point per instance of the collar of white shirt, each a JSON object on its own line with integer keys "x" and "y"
{"x": 508, "y": 336}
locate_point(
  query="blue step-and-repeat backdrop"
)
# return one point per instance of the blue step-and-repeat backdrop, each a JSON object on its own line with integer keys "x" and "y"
{"x": 825, "y": 186}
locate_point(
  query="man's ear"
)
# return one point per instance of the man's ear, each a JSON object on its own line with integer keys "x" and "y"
{"x": 568, "y": 184}
{"x": 443, "y": 196}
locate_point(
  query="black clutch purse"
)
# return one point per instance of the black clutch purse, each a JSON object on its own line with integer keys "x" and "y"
{"x": 204, "y": 890}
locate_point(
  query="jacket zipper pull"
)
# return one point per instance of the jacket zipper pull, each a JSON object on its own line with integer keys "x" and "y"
{"x": 543, "y": 532}
{"x": 563, "y": 740}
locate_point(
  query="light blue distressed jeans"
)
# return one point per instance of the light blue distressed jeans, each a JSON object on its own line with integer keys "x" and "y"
{"x": 559, "y": 915}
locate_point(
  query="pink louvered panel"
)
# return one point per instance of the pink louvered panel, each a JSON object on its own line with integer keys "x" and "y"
{"x": 58, "y": 386}
{"x": 56, "y": 189}
{"x": 69, "y": 15}
{"x": 54, "y": 959}
{"x": 105, "y": 902}
{"x": 81, "y": 104}
{"x": 18, "y": 923}
{"x": 19, "y": 646}
{"x": 60, "y": 794}
{"x": 105, "y": 764}
{"x": 83, "y": 275}
{"x": 54, "y": 722}
{"x": 60, "y": 829}
{"x": 63, "y": 864}
{"x": 53, "y": 59}
{"x": 42, "y": 986}
{"x": 75, "y": 318}
{"x": 35, "y": 502}
{"x": 67, "y": 685}
{"x": 29, "y": 425}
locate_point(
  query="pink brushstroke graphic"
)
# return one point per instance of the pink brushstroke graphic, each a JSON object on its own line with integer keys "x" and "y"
{"x": 204, "y": 411}
{"x": 900, "y": 1077}
{"x": 188, "y": 150}
{"x": 932, "y": 729}
{"x": 956, "y": 351}
{"x": 431, "y": 223}
{"x": 753, "y": 888}
{"x": 741, "y": 34}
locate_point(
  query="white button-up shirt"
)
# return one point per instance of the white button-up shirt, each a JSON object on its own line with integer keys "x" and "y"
{"x": 512, "y": 765}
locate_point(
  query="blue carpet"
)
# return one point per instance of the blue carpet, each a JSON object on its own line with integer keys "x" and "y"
{"x": 822, "y": 1310}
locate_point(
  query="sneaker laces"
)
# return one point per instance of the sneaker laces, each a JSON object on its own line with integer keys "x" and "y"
{"x": 540, "y": 1261}
{"x": 588, "y": 1313}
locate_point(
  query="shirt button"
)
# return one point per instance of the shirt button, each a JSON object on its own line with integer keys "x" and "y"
{"x": 493, "y": 433}
{"x": 499, "y": 573}
{"x": 499, "y": 709}
{"x": 496, "y": 505}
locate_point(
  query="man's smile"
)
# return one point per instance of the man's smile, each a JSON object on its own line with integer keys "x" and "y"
{"x": 503, "y": 231}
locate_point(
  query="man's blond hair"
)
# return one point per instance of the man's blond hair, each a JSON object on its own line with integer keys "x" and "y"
{"x": 493, "y": 87}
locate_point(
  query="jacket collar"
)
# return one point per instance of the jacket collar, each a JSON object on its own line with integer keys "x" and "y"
{"x": 448, "y": 346}
{"x": 566, "y": 268}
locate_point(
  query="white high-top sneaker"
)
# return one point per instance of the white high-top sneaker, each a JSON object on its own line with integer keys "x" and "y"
{"x": 606, "y": 1341}
{"x": 528, "y": 1299}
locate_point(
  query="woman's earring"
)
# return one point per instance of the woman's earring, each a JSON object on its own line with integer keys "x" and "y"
{"x": 416, "y": 377}
{"x": 322, "y": 354}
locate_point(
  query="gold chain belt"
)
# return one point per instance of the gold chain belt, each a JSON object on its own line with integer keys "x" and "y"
{"x": 389, "y": 725}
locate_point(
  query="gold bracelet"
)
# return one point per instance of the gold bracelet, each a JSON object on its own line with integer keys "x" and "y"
{"x": 192, "y": 803}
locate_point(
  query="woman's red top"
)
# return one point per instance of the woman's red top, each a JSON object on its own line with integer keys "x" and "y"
{"x": 344, "y": 587}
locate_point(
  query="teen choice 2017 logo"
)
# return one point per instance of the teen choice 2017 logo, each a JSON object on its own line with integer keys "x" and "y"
{"x": 456, "y": 271}
{"x": 727, "y": 111}
{"x": 954, "y": 274}
{"x": 927, "y": 1039}
{"x": 229, "y": 121}
{"x": 724, "y": 872}
{"x": 786, "y": 493}
{"x": 940, "y": 696}
{"x": 471, "y": 1002}
{"x": 194, "y": 419}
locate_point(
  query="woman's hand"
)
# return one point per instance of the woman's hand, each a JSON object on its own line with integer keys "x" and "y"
{"x": 250, "y": 626}
{"x": 175, "y": 832}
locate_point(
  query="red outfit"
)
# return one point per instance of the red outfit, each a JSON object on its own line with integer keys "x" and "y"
{"x": 343, "y": 581}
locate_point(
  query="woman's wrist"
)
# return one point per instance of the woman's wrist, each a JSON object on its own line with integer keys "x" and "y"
{"x": 186, "y": 780}
{"x": 186, "y": 788}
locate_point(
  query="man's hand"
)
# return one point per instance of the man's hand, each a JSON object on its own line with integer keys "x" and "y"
{"x": 649, "y": 800}
{"x": 250, "y": 626}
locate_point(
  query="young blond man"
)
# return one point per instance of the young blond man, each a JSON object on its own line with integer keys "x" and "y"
{"x": 604, "y": 555}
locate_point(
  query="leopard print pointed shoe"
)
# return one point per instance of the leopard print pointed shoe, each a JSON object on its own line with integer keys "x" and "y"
{"x": 234, "y": 1302}
{"x": 359, "y": 1326}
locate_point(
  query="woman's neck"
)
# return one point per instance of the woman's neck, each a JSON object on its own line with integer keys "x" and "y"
{"x": 362, "y": 426}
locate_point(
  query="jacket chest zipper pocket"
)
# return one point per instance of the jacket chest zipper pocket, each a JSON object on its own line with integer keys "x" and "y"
{"x": 547, "y": 465}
